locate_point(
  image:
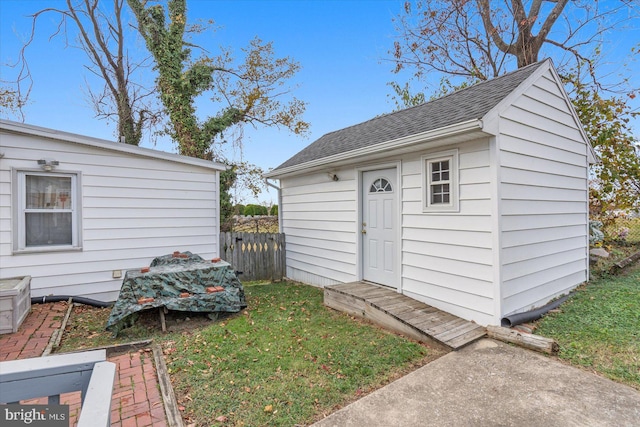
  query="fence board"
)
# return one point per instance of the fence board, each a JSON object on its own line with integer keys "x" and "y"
{"x": 259, "y": 256}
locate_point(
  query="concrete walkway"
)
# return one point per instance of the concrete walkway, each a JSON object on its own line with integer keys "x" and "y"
{"x": 136, "y": 399}
{"x": 490, "y": 383}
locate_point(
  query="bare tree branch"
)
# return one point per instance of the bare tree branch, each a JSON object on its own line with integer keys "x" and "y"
{"x": 102, "y": 38}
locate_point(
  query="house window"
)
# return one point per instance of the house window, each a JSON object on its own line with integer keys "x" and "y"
{"x": 47, "y": 211}
{"x": 440, "y": 178}
{"x": 380, "y": 185}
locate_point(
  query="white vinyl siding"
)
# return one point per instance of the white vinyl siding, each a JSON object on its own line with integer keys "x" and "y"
{"x": 447, "y": 257}
{"x": 134, "y": 208}
{"x": 517, "y": 238}
{"x": 319, "y": 221}
{"x": 544, "y": 198}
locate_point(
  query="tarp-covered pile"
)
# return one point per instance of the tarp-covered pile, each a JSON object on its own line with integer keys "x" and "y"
{"x": 182, "y": 282}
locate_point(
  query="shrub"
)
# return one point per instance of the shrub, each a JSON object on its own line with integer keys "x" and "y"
{"x": 274, "y": 210}
{"x": 254, "y": 210}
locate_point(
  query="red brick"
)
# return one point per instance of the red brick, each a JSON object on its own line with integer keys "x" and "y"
{"x": 135, "y": 409}
{"x": 140, "y": 396}
{"x": 128, "y": 372}
{"x": 136, "y": 399}
{"x": 144, "y": 420}
{"x": 157, "y": 414}
{"x": 118, "y": 393}
{"x": 123, "y": 362}
{"x": 129, "y": 422}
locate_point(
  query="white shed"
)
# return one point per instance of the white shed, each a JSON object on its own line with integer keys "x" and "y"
{"x": 75, "y": 211}
{"x": 475, "y": 203}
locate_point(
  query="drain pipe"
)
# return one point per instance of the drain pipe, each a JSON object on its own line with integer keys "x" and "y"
{"x": 79, "y": 300}
{"x": 279, "y": 190}
{"x": 528, "y": 316}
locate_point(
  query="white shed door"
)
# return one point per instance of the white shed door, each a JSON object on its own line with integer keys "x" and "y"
{"x": 379, "y": 222}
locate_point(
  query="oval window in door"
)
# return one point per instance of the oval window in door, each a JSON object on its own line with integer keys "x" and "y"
{"x": 380, "y": 185}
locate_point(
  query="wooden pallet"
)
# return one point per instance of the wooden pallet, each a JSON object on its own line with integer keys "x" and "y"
{"x": 402, "y": 314}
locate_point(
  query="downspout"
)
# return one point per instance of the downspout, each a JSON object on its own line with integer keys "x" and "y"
{"x": 530, "y": 316}
{"x": 278, "y": 189}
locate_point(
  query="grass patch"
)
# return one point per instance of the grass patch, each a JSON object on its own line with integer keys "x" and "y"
{"x": 283, "y": 361}
{"x": 599, "y": 327}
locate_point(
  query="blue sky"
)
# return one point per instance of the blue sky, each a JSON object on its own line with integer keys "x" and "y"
{"x": 341, "y": 46}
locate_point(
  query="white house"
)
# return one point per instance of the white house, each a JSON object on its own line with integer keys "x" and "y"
{"x": 475, "y": 203}
{"x": 75, "y": 211}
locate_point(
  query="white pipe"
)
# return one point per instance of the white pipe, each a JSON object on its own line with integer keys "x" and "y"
{"x": 266, "y": 180}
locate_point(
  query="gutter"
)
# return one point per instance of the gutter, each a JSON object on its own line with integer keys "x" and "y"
{"x": 452, "y": 130}
{"x": 279, "y": 190}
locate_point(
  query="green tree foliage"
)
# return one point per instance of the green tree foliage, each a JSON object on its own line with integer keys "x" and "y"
{"x": 255, "y": 210}
{"x": 250, "y": 91}
{"x": 615, "y": 182}
{"x": 227, "y": 180}
{"x": 274, "y": 210}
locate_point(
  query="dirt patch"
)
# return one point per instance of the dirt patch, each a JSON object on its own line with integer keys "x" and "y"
{"x": 86, "y": 327}
{"x": 178, "y": 321}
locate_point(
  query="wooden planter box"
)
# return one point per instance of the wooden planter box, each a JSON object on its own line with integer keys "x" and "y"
{"x": 15, "y": 303}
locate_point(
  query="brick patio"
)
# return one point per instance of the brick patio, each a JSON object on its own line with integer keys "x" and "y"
{"x": 136, "y": 399}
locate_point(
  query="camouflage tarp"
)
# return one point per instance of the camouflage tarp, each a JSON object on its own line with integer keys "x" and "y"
{"x": 176, "y": 259}
{"x": 177, "y": 282}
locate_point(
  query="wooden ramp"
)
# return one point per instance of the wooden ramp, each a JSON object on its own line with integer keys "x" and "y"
{"x": 402, "y": 314}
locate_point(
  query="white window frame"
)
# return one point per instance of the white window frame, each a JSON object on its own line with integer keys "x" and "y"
{"x": 19, "y": 211}
{"x": 454, "y": 202}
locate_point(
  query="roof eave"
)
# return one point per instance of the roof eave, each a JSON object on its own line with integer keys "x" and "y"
{"x": 24, "y": 129}
{"x": 447, "y": 131}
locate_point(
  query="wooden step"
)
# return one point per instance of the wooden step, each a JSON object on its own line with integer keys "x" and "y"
{"x": 392, "y": 310}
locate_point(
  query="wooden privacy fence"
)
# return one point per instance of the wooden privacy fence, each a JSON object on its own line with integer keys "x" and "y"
{"x": 257, "y": 256}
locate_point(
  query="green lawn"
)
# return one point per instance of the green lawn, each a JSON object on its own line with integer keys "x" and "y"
{"x": 599, "y": 327}
{"x": 283, "y": 361}
{"x": 287, "y": 360}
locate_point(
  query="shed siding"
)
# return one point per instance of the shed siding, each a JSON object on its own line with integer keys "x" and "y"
{"x": 319, "y": 221}
{"x": 543, "y": 198}
{"x": 447, "y": 257}
{"x": 134, "y": 208}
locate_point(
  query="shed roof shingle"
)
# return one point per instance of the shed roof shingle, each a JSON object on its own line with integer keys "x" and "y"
{"x": 466, "y": 104}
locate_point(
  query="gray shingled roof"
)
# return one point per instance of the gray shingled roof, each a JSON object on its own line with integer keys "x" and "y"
{"x": 466, "y": 104}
